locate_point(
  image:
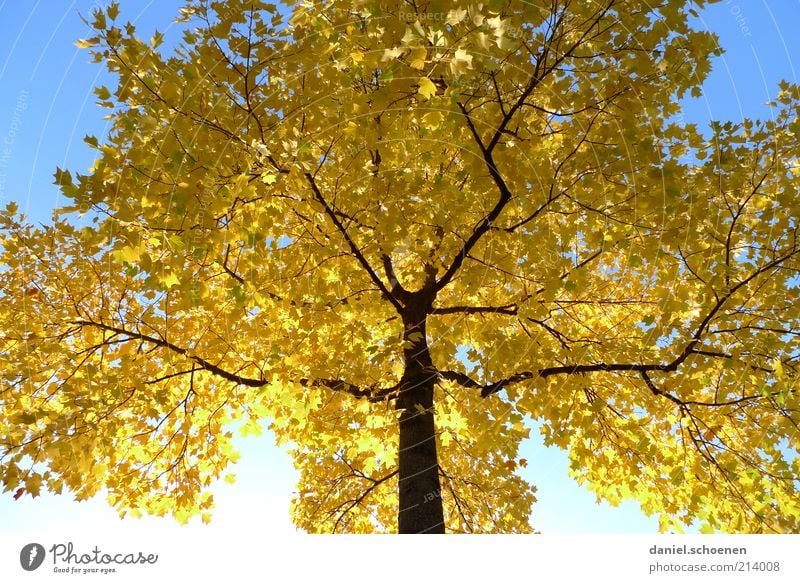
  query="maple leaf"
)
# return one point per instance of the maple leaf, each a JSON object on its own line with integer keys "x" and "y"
{"x": 427, "y": 88}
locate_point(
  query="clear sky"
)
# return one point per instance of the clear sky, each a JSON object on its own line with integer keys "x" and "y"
{"x": 46, "y": 107}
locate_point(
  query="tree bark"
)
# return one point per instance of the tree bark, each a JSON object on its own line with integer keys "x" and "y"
{"x": 420, "y": 509}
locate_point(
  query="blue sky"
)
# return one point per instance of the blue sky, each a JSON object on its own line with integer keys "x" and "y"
{"x": 46, "y": 107}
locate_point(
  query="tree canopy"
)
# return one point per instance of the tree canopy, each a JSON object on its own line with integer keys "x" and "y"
{"x": 397, "y": 231}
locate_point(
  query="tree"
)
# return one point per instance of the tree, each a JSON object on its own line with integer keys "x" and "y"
{"x": 397, "y": 231}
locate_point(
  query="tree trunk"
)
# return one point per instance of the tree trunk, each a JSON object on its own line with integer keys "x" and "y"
{"x": 420, "y": 509}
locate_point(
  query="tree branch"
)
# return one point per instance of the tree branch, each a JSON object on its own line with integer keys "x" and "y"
{"x": 486, "y": 149}
{"x": 355, "y": 502}
{"x": 397, "y": 289}
{"x": 486, "y": 390}
{"x": 642, "y": 369}
{"x": 353, "y": 248}
{"x": 508, "y": 309}
{"x": 204, "y": 364}
{"x": 372, "y": 394}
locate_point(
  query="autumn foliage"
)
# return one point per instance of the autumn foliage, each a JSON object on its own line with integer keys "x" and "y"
{"x": 397, "y": 234}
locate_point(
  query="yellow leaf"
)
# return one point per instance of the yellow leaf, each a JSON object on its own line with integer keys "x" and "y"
{"x": 391, "y": 54}
{"x": 113, "y": 10}
{"x": 455, "y": 16}
{"x": 415, "y": 337}
{"x": 432, "y": 119}
{"x": 416, "y": 58}
{"x": 157, "y": 39}
{"x": 170, "y": 280}
{"x": 128, "y": 254}
{"x": 370, "y": 465}
{"x": 777, "y": 365}
{"x": 462, "y": 61}
{"x": 426, "y": 88}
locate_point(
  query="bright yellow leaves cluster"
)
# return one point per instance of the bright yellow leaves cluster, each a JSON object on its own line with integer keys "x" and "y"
{"x": 262, "y": 180}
